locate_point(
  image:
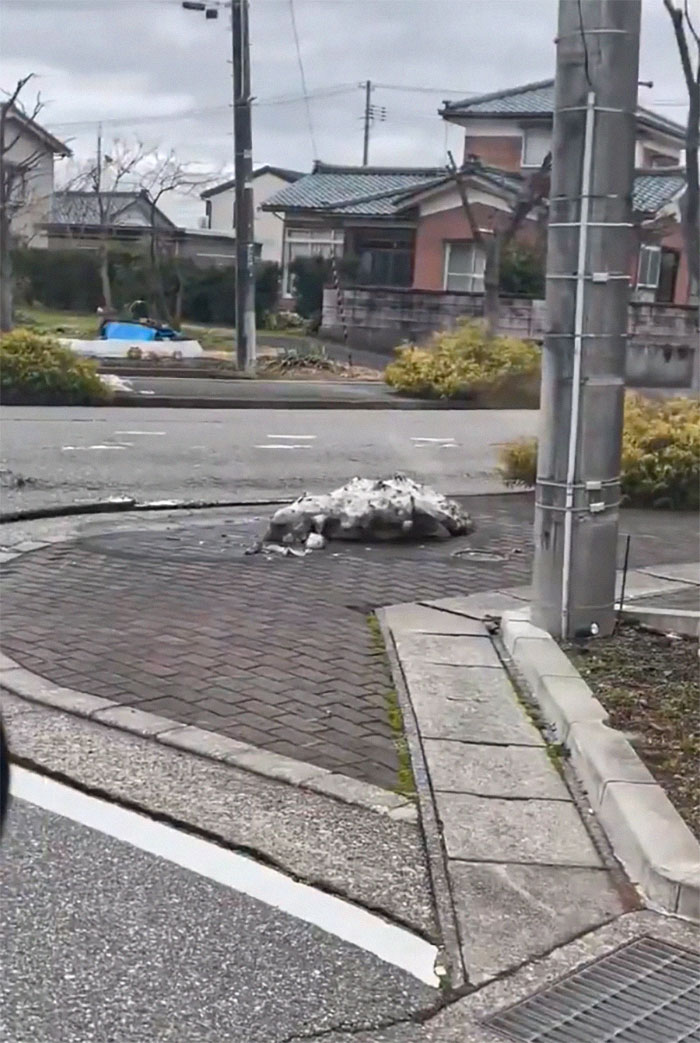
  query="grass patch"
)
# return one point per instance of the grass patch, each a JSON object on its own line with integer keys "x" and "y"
{"x": 406, "y": 783}
{"x": 649, "y": 684}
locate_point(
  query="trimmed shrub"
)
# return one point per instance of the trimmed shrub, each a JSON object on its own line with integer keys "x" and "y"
{"x": 37, "y": 370}
{"x": 466, "y": 363}
{"x": 660, "y": 455}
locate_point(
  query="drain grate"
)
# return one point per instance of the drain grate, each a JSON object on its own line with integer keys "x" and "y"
{"x": 645, "y": 992}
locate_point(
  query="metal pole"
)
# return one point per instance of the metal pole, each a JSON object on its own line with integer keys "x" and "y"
{"x": 368, "y": 118}
{"x": 583, "y": 363}
{"x": 243, "y": 191}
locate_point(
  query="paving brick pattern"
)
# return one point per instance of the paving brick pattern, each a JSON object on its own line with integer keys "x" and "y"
{"x": 275, "y": 652}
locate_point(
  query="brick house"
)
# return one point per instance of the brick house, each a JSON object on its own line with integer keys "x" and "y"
{"x": 512, "y": 129}
{"x": 386, "y": 220}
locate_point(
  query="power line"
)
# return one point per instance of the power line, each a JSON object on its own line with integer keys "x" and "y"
{"x": 303, "y": 79}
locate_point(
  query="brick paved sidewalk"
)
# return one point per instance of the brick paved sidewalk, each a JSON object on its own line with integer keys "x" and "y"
{"x": 271, "y": 651}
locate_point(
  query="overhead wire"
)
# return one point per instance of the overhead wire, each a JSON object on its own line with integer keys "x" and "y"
{"x": 302, "y": 75}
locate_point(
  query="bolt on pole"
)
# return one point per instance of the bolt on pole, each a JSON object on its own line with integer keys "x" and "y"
{"x": 583, "y": 362}
{"x": 243, "y": 188}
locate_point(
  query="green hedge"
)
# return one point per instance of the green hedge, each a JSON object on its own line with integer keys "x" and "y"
{"x": 69, "y": 280}
{"x": 660, "y": 455}
{"x": 37, "y": 370}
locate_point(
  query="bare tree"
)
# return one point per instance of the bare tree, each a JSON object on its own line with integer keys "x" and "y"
{"x": 88, "y": 203}
{"x": 104, "y": 190}
{"x": 690, "y": 204}
{"x": 534, "y": 191}
{"x": 18, "y": 169}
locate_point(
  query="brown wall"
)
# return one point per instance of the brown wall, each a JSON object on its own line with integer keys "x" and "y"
{"x": 434, "y": 230}
{"x": 497, "y": 151}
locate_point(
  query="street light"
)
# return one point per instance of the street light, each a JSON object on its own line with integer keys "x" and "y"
{"x": 244, "y": 221}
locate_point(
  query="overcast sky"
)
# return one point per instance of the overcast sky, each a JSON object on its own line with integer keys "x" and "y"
{"x": 152, "y": 71}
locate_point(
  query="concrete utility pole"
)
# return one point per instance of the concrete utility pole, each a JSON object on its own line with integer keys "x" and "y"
{"x": 243, "y": 191}
{"x": 583, "y": 364}
{"x": 244, "y": 207}
{"x": 368, "y": 118}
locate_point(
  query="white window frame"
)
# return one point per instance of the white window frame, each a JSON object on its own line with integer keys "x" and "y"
{"x": 328, "y": 241}
{"x": 648, "y": 263}
{"x": 475, "y": 274}
{"x": 529, "y": 135}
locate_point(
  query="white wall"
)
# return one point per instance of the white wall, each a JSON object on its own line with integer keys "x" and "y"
{"x": 34, "y": 209}
{"x": 268, "y": 227}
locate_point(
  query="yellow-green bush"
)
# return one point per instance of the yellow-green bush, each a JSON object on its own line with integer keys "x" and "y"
{"x": 660, "y": 454}
{"x": 466, "y": 363}
{"x": 37, "y": 370}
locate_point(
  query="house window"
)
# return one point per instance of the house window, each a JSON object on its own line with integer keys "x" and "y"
{"x": 537, "y": 142}
{"x": 649, "y": 269}
{"x": 464, "y": 267}
{"x": 309, "y": 242}
{"x": 383, "y": 258}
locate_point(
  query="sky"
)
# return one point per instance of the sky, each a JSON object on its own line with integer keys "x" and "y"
{"x": 155, "y": 73}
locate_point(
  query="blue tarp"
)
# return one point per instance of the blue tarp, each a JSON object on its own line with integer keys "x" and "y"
{"x": 135, "y": 331}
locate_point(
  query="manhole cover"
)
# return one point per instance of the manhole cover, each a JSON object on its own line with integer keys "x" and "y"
{"x": 645, "y": 992}
{"x": 479, "y": 555}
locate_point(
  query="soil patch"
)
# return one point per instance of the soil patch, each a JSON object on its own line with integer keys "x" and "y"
{"x": 650, "y": 685}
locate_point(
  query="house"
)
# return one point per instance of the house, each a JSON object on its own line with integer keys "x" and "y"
{"x": 84, "y": 220}
{"x": 512, "y": 129}
{"x": 220, "y": 208}
{"x": 28, "y": 156}
{"x": 352, "y": 212}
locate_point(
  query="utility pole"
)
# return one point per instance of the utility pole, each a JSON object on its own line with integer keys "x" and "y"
{"x": 243, "y": 189}
{"x": 368, "y": 119}
{"x": 244, "y": 208}
{"x": 583, "y": 364}
{"x": 372, "y": 113}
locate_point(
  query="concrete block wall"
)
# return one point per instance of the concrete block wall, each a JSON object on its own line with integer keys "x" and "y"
{"x": 663, "y": 347}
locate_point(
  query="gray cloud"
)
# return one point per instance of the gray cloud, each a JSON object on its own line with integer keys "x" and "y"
{"x": 130, "y": 60}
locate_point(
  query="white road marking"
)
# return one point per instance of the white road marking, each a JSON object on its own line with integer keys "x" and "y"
{"x": 85, "y": 448}
{"x": 139, "y": 432}
{"x": 352, "y": 924}
{"x": 446, "y": 439}
{"x": 284, "y": 445}
{"x": 297, "y": 438}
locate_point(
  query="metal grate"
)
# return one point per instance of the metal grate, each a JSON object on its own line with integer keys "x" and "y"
{"x": 645, "y": 992}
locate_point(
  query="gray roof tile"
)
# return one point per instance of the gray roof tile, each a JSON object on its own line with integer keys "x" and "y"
{"x": 355, "y": 191}
{"x": 537, "y": 99}
{"x": 653, "y": 189}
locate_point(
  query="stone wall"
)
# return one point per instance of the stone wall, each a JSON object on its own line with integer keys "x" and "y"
{"x": 663, "y": 346}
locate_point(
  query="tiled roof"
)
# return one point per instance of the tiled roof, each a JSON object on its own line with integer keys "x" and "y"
{"x": 537, "y": 99}
{"x": 123, "y": 209}
{"x": 354, "y": 191}
{"x": 654, "y": 188}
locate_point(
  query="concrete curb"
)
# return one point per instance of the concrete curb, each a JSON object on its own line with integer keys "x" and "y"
{"x": 429, "y": 822}
{"x": 188, "y": 738}
{"x": 128, "y": 505}
{"x": 646, "y": 833}
{"x": 30, "y": 686}
{"x": 193, "y": 402}
{"x": 676, "y": 620}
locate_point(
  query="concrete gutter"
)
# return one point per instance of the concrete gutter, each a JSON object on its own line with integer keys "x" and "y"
{"x": 648, "y": 836}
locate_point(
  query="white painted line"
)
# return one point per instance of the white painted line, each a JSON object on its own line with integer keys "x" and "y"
{"x": 139, "y": 432}
{"x": 446, "y": 439}
{"x": 391, "y": 944}
{"x": 284, "y": 445}
{"x": 293, "y": 438}
{"x": 86, "y": 448}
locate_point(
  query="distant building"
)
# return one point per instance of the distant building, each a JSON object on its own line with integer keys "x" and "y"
{"x": 512, "y": 129}
{"x": 82, "y": 220}
{"x": 220, "y": 209}
{"x": 29, "y": 152}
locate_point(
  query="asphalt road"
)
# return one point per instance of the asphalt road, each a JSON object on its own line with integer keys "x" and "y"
{"x": 59, "y": 456}
{"x": 107, "y": 943}
{"x": 260, "y": 390}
